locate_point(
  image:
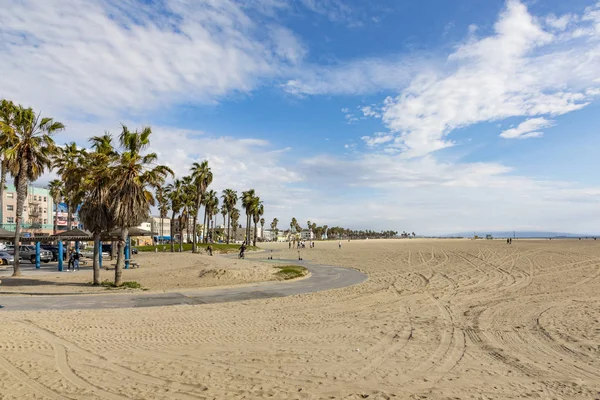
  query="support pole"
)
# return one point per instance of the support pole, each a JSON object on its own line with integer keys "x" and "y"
{"x": 60, "y": 256}
{"x": 77, "y": 247}
{"x": 127, "y": 251}
{"x": 37, "y": 255}
{"x": 100, "y": 255}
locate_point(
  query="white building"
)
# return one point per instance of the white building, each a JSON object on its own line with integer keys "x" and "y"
{"x": 307, "y": 235}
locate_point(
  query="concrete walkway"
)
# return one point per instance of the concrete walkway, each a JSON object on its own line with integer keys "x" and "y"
{"x": 322, "y": 277}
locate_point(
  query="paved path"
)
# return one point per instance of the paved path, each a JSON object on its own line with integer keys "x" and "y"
{"x": 322, "y": 277}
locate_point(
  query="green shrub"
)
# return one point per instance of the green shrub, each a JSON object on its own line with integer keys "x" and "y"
{"x": 287, "y": 272}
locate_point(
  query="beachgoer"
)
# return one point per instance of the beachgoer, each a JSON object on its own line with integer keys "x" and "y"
{"x": 242, "y": 250}
{"x": 289, "y": 245}
{"x": 76, "y": 262}
{"x": 71, "y": 259}
{"x": 209, "y": 250}
{"x": 340, "y": 244}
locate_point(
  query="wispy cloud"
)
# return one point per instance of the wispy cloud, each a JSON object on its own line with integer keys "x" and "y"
{"x": 527, "y": 129}
{"x": 104, "y": 57}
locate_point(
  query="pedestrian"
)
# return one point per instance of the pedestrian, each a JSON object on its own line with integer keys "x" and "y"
{"x": 71, "y": 260}
{"x": 290, "y": 245}
{"x": 76, "y": 262}
{"x": 340, "y": 244}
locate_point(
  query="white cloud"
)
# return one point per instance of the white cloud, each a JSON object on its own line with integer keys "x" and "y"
{"x": 104, "y": 57}
{"x": 527, "y": 129}
{"x": 560, "y": 23}
{"x": 377, "y": 139}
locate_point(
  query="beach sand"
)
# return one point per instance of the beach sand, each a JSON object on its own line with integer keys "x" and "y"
{"x": 437, "y": 319}
{"x": 158, "y": 272}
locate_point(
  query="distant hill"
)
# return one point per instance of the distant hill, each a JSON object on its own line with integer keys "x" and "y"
{"x": 520, "y": 234}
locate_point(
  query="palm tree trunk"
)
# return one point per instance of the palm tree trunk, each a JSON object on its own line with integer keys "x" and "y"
{"x": 180, "y": 233}
{"x": 56, "y": 220}
{"x": 172, "y": 232}
{"x": 255, "y": 232}
{"x": 96, "y": 262}
{"x": 204, "y": 230}
{"x": 69, "y": 216}
{"x": 195, "y": 222}
{"x": 121, "y": 257}
{"x": 113, "y": 251}
{"x": 21, "y": 196}
{"x": 228, "y": 226}
{"x": 2, "y": 186}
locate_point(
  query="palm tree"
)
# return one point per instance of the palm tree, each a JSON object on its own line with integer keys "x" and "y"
{"x": 257, "y": 211}
{"x": 262, "y": 229}
{"x": 203, "y": 177}
{"x": 7, "y": 114}
{"x": 274, "y": 226}
{"x": 95, "y": 212}
{"x": 69, "y": 162}
{"x": 235, "y": 220}
{"x": 224, "y": 214}
{"x": 174, "y": 192}
{"x": 293, "y": 224}
{"x": 211, "y": 207}
{"x": 56, "y": 189}
{"x": 163, "y": 208}
{"x": 135, "y": 173}
{"x": 229, "y": 201}
{"x": 247, "y": 200}
{"x": 28, "y": 150}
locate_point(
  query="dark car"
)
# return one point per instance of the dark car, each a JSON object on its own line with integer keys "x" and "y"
{"x": 107, "y": 248}
{"x": 54, "y": 250}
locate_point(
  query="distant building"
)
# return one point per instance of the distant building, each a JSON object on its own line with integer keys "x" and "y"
{"x": 38, "y": 212}
{"x": 307, "y": 235}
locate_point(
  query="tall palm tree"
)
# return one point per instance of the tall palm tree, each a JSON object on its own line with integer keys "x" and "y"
{"x": 247, "y": 200}
{"x": 174, "y": 192}
{"x": 211, "y": 204}
{"x": 224, "y": 214}
{"x": 235, "y": 220}
{"x": 293, "y": 224}
{"x": 230, "y": 199}
{"x": 203, "y": 177}
{"x": 7, "y": 114}
{"x": 163, "y": 208}
{"x": 257, "y": 211}
{"x": 95, "y": 211}
{"x": 56, "y": 189}
{"x": 274, "y": 226}
{"x": 28, "y": 153}
{"x": 262, "y": 228}
{"x": 135, "y": 173}
{"x": 69, "y": 163}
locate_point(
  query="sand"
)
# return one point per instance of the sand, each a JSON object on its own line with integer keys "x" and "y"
{"x": 437, "y": 319}
{"x": 158, "y": 272}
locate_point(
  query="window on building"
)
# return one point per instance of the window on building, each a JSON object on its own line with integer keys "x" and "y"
{"x": 10, "y": 220}
{"x": 34, "y": 197}
{"x": 24, "y": 208}
{"x": 10, "y": 195}
{"x": 45, "y": 199}
{"x": 45, "y": 221}
{"x": 10, "y": 207}
{"x": 45, "y": 210}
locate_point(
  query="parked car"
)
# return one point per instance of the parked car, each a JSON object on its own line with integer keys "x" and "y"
{"x": 54, "y": 251}
{"x": 6, "y": 258}
{"x": 28, "y": 253}
{"x": 107, "y": 248}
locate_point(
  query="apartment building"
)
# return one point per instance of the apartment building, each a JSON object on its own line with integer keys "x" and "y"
{"x": 38, "y": 217}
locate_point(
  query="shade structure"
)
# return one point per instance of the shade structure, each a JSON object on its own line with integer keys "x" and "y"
{"x": 4, "y": 234}
{"x": 73, "y": 234}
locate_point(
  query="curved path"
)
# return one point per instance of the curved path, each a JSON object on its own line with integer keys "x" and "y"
{"x": 323, "y": 277}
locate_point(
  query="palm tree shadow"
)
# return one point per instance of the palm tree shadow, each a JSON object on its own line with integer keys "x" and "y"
{"x": 14, "y": 282}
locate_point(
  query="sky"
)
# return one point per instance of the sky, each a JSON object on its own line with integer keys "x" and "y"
{"x": 428, "y": 116}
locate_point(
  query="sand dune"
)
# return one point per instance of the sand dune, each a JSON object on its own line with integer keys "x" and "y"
{"x": 437, "y": 319}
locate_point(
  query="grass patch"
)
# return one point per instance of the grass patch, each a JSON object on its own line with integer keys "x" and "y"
{"x": 218, "y": 248}
{"x": 125, "y": 285}
{"x": 287, "y": 272}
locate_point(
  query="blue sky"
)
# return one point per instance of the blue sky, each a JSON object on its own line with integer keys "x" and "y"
{"x": 428, "y": 116}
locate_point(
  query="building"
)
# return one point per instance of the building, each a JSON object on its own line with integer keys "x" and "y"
{"x": 38, "y": 215}
{"x": 307, "y": 235}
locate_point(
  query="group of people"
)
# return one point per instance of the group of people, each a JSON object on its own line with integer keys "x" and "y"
{"x": 301, "y": 244}
{"x": 509, "y": 241}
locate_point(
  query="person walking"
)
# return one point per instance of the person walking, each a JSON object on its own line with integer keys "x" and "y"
{"x": 76, "y": 262}
{"x": 70, "y": 263}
